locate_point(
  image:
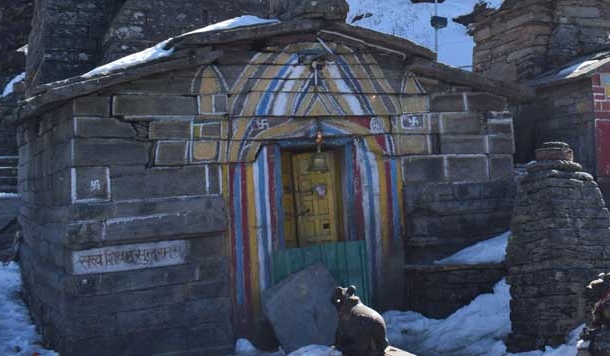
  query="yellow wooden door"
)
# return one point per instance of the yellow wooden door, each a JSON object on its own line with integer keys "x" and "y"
{"x": 315, "y": 198}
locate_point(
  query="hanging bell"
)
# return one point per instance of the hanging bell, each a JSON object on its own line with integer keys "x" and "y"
{"x": 318, "y": 163}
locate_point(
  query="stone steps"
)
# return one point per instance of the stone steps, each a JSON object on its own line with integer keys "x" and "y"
{"x": 9, "y": 161}
{"x": 8, "y": 171}
{"x": 8, "y": 174}
{"x": 7, "y": 188}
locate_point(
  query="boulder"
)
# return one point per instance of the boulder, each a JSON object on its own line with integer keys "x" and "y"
{"x": 299, "y": 308}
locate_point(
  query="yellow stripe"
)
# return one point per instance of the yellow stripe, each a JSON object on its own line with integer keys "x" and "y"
{"x": 386, "y": 219}
{"x": 398, "y": 193}
{"x": 255, "y": 292}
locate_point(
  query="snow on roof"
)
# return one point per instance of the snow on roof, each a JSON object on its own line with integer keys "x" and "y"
{"x": 159, "y": 51}
{"x": 488, "y": 251}
{"x": 575, "y": 69}
{"x": 131, "y": 60}
{"x": 579, "y": 67}
{"x": 8, "y": 89}
{"x": 242, "y": 21}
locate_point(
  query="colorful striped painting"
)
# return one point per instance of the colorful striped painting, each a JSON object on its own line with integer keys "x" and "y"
{"x": 277, "y": 102}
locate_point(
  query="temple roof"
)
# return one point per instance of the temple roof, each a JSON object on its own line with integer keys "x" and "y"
{"x": 211, "y": 43}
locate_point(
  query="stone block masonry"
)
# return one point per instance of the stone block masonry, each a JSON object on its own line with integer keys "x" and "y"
{"x": 560, "y": 234}
{"x": 556, "y": 31}
{"x": 125, "y": 242}
{"x": 465, "y": 189}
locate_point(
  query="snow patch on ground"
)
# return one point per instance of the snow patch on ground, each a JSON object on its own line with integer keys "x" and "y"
{"x": 159, "y": 51}
{"x": 488, "y": 251}
{"x": 8, "y": 89}
{"x": 477, "y": 329}
{"x": 244, "y": 347}
{"x": 18, "y": 335}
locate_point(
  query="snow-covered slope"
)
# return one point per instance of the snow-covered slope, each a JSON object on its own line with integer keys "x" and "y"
{"x": 412, "y": 21}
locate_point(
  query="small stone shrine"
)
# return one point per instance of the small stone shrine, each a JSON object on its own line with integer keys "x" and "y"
{"x": 559, "y": 240}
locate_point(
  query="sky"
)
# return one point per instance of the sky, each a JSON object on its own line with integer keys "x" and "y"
{"x": 412, "y": 21}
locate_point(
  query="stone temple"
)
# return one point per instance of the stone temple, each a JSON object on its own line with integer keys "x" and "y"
{"x": 159, "y": 199}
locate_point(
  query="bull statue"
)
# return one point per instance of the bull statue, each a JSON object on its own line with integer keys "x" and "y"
{"x": 361, "y": 331}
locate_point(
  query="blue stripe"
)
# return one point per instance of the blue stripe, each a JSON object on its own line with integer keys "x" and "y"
{"x": 396, "y": 189}
{"x": 349, "y": 190}
{"x": 304, "y": 91}
{"x": 263, "y": 106}
{"x": 371, "y": 195}
{"x": 347, "y": 69}
{"x": 262, "y": 195}
{"x": 239, "y": 248}
{"x": 278, "y": 197}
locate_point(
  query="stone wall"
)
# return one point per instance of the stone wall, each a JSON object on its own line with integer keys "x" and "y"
{"x": 437, "y": 291}
{"x": 70, "y": 37}
{"x": 9, "y": 209}
{"x": 525, "y": 38}
{"x": 560, "y": 233}
{"x": 562, "y": 112}
{"x": 15, "y": 19}
{"x": 462, "y": 194}
{"x": 99, "y": 197}
{"x": 66, "y": 37}
{"x": 141, "y": 24}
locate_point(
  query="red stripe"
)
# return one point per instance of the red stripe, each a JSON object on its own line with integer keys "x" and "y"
{"x": 233, "y": 270}
{"x": 388, "y": 183}
{"x": 272, "y": 191}
{"x": 359, "y": 233}
{"x": 246, "y": 244}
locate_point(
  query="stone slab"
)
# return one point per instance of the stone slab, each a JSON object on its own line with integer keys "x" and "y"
{"x": 299, "y": 308}
{"x": 129, "y": 257}
{"x": 154, "y": 105}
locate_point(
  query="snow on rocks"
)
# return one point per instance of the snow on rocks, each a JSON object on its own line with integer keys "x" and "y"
{"x": 18, "y": 335}
{"x": 488, "y": 251}
{"x": 477, "y": 329}
{"x": 315, "y": 350}
{"x": 8, "y": 89}
{"x": 159, "y": 51}
{"x": 244, "y": 347}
